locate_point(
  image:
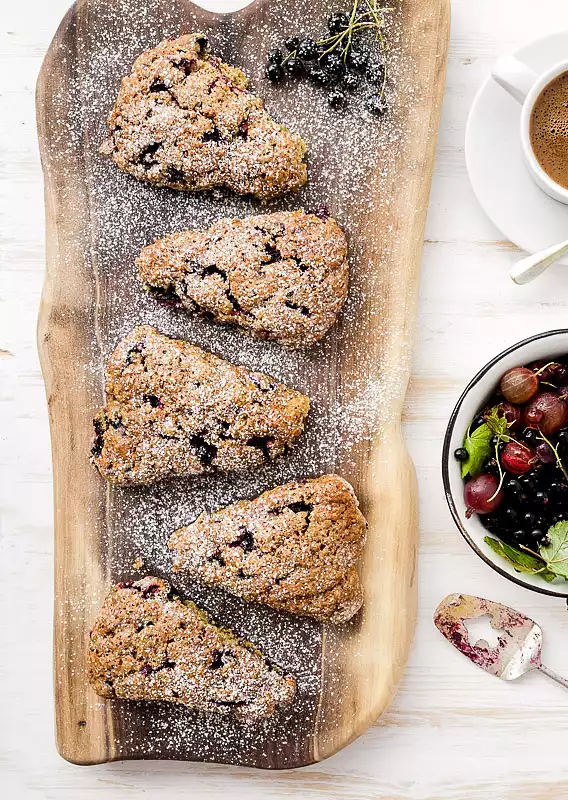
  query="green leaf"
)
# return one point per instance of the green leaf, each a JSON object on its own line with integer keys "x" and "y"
{"x": 556, "y": 553}
{"x": 478, "y": 446}
{"x": 521, "y": 561}
{"x": 478, "y": 443}
{"x": 497, "y": 423}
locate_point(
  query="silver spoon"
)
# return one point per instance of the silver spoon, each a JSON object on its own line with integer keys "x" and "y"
{"x": 529, "y": 268}
{"x": 519, "y": 639}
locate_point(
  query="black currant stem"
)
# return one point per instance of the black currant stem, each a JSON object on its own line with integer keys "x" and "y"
{"x": 292, "y": 54}
{"x": 338, "y": 38}
{"x": 383, "y": 45}
{"x": 556, "y": 454}
{"x": 380, "y": 20}
{"x": 351, "y": 22}
{"x": 546, "y": 366}
{"x": 372, "y": 18}
{"x": 501, "y": 474}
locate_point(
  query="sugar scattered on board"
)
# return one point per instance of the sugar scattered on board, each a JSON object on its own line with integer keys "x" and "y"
{"x": 354, "y": 160}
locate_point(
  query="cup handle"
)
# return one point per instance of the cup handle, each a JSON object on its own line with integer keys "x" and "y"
{"x": 514, "y": 76}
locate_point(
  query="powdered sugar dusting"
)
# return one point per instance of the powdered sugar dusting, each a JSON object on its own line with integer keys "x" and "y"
{"x": 352, "y": 163}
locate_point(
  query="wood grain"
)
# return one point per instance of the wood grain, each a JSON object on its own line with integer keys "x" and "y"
{"x": 361, "y": 663}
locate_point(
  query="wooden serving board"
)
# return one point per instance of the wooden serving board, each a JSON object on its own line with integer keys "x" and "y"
{"x": 374, "y": 176}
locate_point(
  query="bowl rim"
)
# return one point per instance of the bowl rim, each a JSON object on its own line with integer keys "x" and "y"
{"x": 446, "y": 455}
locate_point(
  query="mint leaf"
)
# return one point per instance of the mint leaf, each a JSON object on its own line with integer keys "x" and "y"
{"x": 478, "y": 443}
{"x": 521, "y": 561}
{"x": 478, "y": 446}
{"x": 556, "y": 553}
{"x": 497, "y": 423}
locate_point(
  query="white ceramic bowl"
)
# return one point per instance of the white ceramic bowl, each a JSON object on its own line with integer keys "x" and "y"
{"x": 548, "y": 346}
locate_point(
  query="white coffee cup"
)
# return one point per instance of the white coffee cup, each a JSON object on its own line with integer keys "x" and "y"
{"x": 525, "y": 86}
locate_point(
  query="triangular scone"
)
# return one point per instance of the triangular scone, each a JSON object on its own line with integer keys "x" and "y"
{"x": 146, "y": 645}
{"x": 174, "y": 409}
{"x": 185, "y": 120}
{"x": 293, "y": 548}
{"x": 280, "y": 276}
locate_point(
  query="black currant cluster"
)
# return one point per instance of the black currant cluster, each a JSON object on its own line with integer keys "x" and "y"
{"x": 331, "y": 63}
{"x": 532, "y": 502}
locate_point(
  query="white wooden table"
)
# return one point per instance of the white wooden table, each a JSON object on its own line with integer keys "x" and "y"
{"x": 452, "y": 732}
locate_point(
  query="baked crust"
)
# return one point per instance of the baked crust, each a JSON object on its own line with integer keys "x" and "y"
{"x": 174, "y": 409}
{"x": 147, "y": 645}
{"x": 280, "y": 276}
{"x": 293, "y": 548}
{"x": 185, "y": 120}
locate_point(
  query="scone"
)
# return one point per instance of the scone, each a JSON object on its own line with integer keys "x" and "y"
{"x": 185, "y": 120}
{"x": 147, "y": 645}
{"x": 293, "y": 548}
{"x": 174, "y": 409}
{"x": 280, "y": 276}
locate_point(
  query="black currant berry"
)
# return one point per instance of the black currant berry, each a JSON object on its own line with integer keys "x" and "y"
{"x": 497, "y": 443}
{"x": 334, "y": 65}
{"x": 292, "y": 43}
{"x": 562, "y": 443}
{"x": 530, "y": 436}
{"x": 320, "y": 76}
{"x": 337, "y": 23}
{"x": 376, "y": 105}
{"x": 350, "y": 81}
{"x": 511, "y": 516}
{"x": 376, "y": 74}
{"x": 336, "y": 99}
{"x": 274, "y": 72}
{"x": 275, "y": 56}
{"x": 461, "y": 454}
{"x": 358, "y": 59}
{"x": 307, "y": 49}
{"x": 528, "y": 482}
{"x": 529, "y": 519}
{"x": 294, "y": 67}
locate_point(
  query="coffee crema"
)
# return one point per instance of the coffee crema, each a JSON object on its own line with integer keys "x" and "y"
{"x": 549, "y": 129}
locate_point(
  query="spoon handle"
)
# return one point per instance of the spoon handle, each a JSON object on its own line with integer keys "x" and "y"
{"x": 529, "y": 268}
{"x": 554, "y": 675}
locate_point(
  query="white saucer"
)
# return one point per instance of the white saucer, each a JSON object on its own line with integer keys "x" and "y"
{"x": 495, "y": 162}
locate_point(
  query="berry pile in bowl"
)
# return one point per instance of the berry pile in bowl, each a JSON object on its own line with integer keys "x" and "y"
{"x": 505, "y": 463}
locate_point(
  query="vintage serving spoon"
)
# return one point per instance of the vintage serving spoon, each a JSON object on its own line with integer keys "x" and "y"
{"x": 519, "y": 639}
{"x": 529, "y": 268}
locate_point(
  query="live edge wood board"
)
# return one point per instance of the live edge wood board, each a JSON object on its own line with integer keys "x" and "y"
{"x": 374, "y": 177}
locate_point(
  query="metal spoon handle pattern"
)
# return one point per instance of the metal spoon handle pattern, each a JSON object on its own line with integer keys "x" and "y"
{"x": 529, "y": 268}
{"x": 554, "y": 675}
